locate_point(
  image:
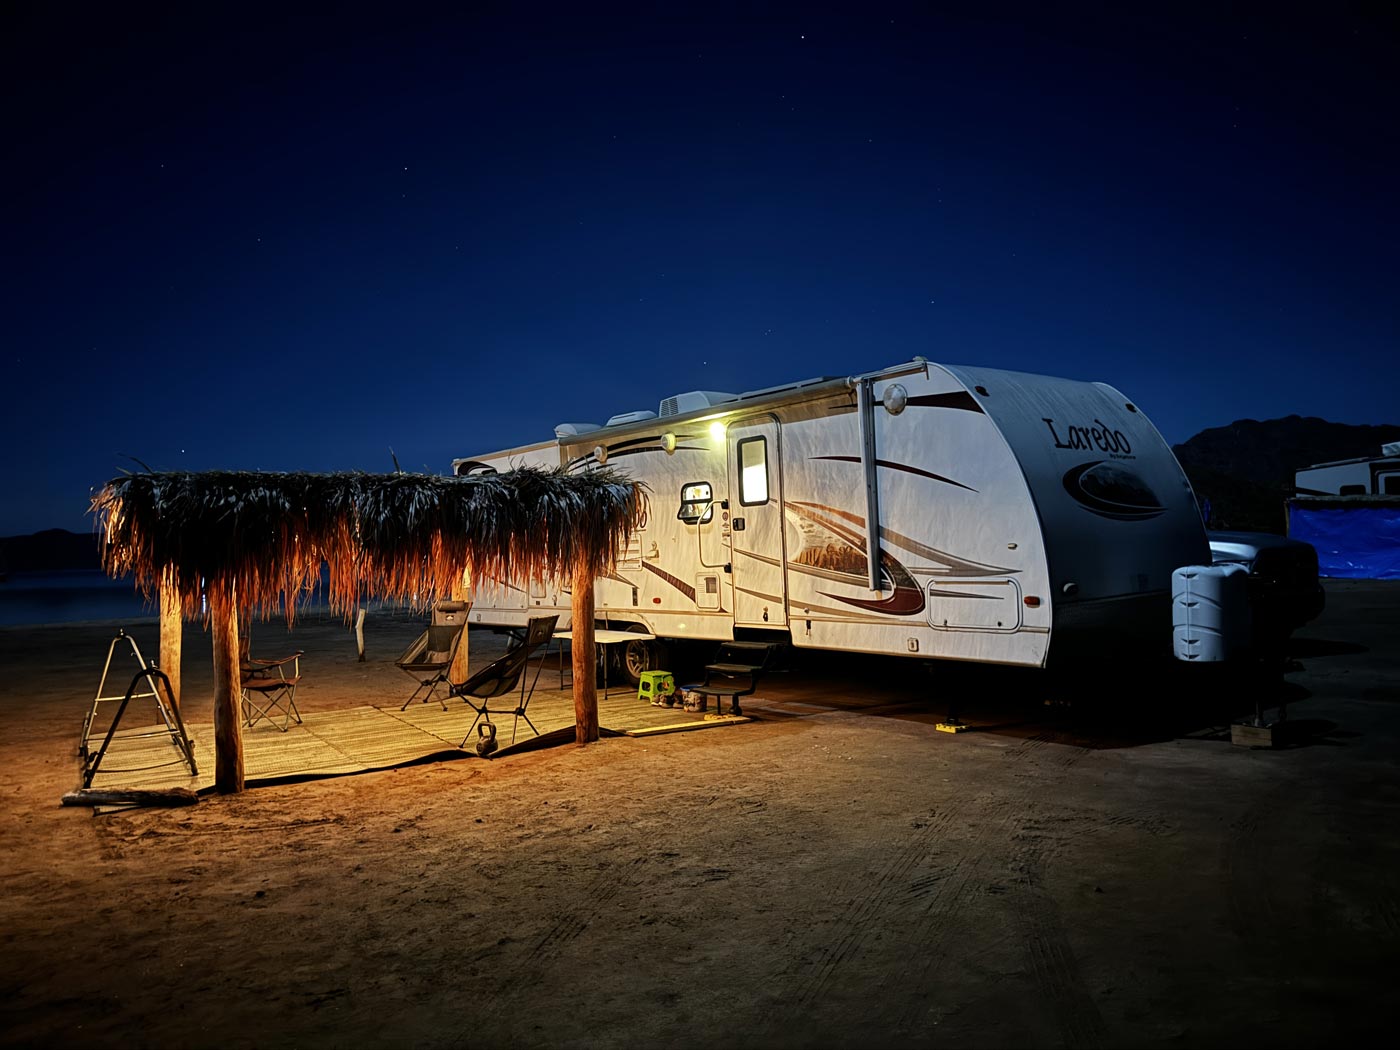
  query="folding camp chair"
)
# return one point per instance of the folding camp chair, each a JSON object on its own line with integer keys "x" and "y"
{"x": 428, "y": 659}
{"x": 500, "y": 677}
{"x": 268, "y": 690}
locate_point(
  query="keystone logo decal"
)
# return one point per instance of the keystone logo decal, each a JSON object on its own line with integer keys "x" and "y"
{"x": 1100, "y": 436}
{"x": 1112, "y": 491}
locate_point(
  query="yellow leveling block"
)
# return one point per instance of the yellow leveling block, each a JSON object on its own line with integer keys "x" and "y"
{"x": 952, "y": 727}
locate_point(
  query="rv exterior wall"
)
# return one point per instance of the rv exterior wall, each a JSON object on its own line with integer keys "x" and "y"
{"x": 960, "y": 546}
{"x": 1331, "y": 479}
{"x": 1116, "y": 511}
{"x": 510, "y": 603}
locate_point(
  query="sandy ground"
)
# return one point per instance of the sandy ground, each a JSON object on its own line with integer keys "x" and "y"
{"x": 1107, "y": 870}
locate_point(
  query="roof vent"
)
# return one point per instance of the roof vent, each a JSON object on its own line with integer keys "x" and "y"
{"x": 630, "y": 417}
{"x": 568, "y": 430}
{"x": 693, "y": 401}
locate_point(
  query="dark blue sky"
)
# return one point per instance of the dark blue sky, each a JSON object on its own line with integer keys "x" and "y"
{"x": 251, "y": 241}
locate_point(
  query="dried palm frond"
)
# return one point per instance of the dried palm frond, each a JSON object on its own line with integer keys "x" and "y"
{"x": 395, "y": 536}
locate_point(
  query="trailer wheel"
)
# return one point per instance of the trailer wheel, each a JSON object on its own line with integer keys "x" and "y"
{"x": 642, "y": 655}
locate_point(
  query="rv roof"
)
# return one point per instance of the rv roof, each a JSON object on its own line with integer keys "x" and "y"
{"x": 787, "y": 386}
{"x": 1343, "y": 462}
{"x": 626, "y": 417}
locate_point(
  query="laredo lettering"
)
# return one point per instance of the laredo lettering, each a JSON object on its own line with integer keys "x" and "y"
{"x": 1057, "y": 441}
{"x": 1100, "y": 436}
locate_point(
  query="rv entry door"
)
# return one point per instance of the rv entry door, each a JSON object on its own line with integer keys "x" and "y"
{"x": 756, "y": 524}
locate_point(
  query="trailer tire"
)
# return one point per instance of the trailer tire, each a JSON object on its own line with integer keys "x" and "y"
{"x": 642, "y": 655}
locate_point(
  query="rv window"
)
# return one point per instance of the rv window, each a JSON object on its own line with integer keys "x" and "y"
{"x": 697, "y": 503}
{"x": 1390, "y": 484}
{"x": 753, "y": 471}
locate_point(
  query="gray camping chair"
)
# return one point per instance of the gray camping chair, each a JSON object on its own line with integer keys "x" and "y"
{"x": 430, "y": 656}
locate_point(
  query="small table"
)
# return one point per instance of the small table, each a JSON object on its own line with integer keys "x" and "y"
{"x": 602, "y": 639}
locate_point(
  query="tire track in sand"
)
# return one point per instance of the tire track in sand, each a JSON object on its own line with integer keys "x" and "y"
{"x": 1053, "y": 962}
{"x": 604, "y": 888}
{"x": 874, "y": 898}
{"x": 512, "y": 980}
{"x": 1249, "y": 891}
{"x": 1037, "y": 917}
{"x": 925, "y": 896}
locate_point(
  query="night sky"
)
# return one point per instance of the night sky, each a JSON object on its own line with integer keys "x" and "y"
{"x": 253, "y": 241}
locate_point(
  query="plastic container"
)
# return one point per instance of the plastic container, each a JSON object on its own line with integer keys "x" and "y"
{"x": 1210, "y": 612}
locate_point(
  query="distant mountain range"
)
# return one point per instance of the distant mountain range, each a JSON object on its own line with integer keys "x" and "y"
{"x": 1245, "y": 470}
{"x": 53, "y": 550}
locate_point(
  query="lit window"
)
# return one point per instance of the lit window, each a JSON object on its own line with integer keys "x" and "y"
{"x": 697, "y": 503}
{"x": 753, "y": 471}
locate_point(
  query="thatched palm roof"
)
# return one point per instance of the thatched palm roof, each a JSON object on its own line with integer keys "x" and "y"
{"x": 404, "y": 536}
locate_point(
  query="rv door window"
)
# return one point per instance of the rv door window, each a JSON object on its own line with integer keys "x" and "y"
{"x": 753, "y": 471}
{"x": 697, "y": 503}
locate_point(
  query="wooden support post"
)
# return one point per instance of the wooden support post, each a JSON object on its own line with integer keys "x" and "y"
{"x": 171, "y": 634}
{"x": 585, "y": 658}
{"x": 228, "y": 713}
{"x": 360, "y": 632}
{"x": 461, "y": 662}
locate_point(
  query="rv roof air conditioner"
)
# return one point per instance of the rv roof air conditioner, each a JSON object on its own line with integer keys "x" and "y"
{"x": 693, "y": 401}
{"x": 564, "y": 430}
{"x": 630, "y": 417}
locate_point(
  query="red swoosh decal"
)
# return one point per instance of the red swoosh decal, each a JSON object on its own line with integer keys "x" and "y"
{"x": 908, "y": 596}
{"x": 678, "y": 584}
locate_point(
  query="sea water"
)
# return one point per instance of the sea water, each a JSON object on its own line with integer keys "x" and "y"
{"x": 73, "y": 596}
{"x": 69, "y": 597}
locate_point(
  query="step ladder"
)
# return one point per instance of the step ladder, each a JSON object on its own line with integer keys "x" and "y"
{"x": 171, "y": 724}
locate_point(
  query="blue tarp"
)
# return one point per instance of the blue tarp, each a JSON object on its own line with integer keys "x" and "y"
{"x": 1360, "y": 542}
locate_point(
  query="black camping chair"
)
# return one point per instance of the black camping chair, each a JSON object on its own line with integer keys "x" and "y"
{"x": 429, "y": 658}
{"x": 500, "y": 677}
{"x": 267, "y": 690}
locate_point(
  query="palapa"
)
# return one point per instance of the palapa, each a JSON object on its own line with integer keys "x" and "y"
{"x": 256, "y": 541}
{"x": 401, "y": 536}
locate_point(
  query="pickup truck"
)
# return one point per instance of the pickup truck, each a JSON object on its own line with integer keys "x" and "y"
{"x": 1284, "y": 591}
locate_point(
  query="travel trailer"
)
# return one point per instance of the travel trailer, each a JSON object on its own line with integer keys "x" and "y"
{"x": 1366, "y": 476}
{"x": 922, "y": 510}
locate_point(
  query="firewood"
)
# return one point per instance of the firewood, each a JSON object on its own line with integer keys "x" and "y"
{"x": 130, "y": 797}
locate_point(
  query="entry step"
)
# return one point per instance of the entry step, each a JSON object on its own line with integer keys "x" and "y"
{"x": 733, "y": 668}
